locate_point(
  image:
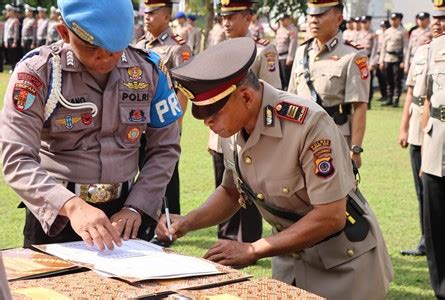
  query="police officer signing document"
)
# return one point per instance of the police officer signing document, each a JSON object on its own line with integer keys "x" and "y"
{"x": 284, "y": 155}
{"x": 70, "y": 129}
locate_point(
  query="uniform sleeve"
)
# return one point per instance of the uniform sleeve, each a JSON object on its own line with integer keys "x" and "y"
{"x": 410, "y": 78}
{"x": 34, "y": 33}
{"x": 162, "y": 149}
{"x": 269, "y": 66}
{"x": 382, "y": 49}
{"x": 181, "y": 55}
{"x": 292, "y": 81}
{"x": 17, "y": 32}
{"x": 21, "y": 124}
{"x": 228, "y": 180}
{"x": 293, "y": 43}
{"x": 408, "y": 52}
{"x": 358, "y": 77}
{"x": 325, "y": 161}
{"x": 374, "y": 59}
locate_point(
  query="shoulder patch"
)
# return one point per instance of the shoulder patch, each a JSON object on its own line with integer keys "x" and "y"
{"x": 291, "y": 112}
{"x": 178, "y": 39}
{"x": 353, "y": 45}
{"x": 262, "y": 42}
{"x": 308, "y": 41}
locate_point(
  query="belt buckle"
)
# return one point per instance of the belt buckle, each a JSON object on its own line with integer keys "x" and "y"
{"x": 442, "y": 113}
{"x": 101, "y": 193}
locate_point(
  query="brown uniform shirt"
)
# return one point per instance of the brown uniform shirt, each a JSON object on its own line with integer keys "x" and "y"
{"x": 416, "y": 75}
{"x": 415, "y": 41}
{"x": 395, "y": 41}
{"x": 367, "y": 39}
{"x": 73, "y": 145}
{"x": 339, "y": 73}
{"x": 42, "y": 28}
{"x": 282, "y": 163}
{"x": 216, "y": 35}
{"x": 351, "y": 35}
{"x": 29, "y": 30}
{"x": 195, "y": 39}
{"x": 5, "y": 293}
{"x": 433, "y": 148}
{"x": 287, "y": 42}
{"x": 173, "y": 49}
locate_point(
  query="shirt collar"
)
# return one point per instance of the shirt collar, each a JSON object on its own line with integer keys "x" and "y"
{"x": 271, "y": 97}
{"x": 331, "y": 44}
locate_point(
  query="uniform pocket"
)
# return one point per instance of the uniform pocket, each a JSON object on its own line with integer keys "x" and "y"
{"x": 339, "y": 250}
{"x": 429, "y": 127}
{"x": 133, "y": 119}
{"x": 327, "y": 80}
{"x": 284, "y": 192}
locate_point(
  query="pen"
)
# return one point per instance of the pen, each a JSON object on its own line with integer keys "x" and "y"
{"x": 167, "y": 217}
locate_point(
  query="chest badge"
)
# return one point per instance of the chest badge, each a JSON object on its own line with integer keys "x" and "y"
{"x": 137, "y": 115}
{"x": 135, "y": 74}
{"x": 69, "y": 121}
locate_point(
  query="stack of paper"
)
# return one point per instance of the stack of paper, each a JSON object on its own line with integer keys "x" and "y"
{"x": 135, "y": 259}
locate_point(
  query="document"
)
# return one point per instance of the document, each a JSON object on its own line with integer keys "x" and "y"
{"x": 135, "y": 259}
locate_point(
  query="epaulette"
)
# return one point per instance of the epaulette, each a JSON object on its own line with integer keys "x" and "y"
{"x": 356, "y": 46}
{"x": 291, "y": 112}
{"x": 308, "y": 41}
{"x": 262, "y": 42}
{"x": 178, "y": 39}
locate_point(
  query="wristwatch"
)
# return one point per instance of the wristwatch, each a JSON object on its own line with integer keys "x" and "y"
{"x": 356, "y": 149}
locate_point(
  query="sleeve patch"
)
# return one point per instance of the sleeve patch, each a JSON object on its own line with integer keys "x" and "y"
{"x": 28, "y": 78}
{"x": 362, "y": 64}
{"x": 23, "y": 96}
{"x": 185, "y": 55}
{"x": 323, "y": 158}
{"x": 291, "y": 112}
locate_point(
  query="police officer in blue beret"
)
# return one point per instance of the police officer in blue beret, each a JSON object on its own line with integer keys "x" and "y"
{"x": 71, "y": 126}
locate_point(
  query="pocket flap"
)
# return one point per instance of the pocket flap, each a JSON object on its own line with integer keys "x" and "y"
{"x": 284, "y": 187}
{"x": 339, "y": 250}
{"x": 134, "y": 114}
{"x": 334, "y": 72}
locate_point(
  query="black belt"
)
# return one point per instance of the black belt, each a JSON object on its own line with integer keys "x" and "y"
{"x": 284, "y": 53}
{"x": 418, "y": 101}
{"x": 438, "y": 113}
{"x": 341, "y": 108}
{"x": 395, "y": 53}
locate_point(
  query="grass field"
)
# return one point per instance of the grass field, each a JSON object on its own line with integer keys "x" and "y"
{"x": 386, "y": 182}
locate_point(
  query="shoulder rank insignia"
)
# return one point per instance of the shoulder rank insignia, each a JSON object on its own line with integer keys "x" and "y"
{"x": 262, "y": 42}
{"x": 292, "y": 112}
{"x": 356, "y": 46}
{"x": 164, "y": 37}
{"x": 178, "y": 39}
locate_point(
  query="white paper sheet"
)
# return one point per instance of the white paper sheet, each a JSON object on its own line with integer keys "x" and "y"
{"x": 136, "y": 259}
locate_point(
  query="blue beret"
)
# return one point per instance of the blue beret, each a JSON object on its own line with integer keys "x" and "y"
{"x": 180, "y": 15}
{"x": 192, "y": 17}
{"x": 103, "y": 23}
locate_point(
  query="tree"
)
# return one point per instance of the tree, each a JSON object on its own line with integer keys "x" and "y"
{"x": 273, "y": 9}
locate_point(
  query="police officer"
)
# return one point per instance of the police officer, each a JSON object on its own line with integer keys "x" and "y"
{"x": 333, "y": 73}
{"x": 416, "y": 38}
{"x": 348, "y": 34}
{"x": 11, "y": 39}
{"x": 174, "y": 51}
{"x": 284, "y": 155}
{"x": 5, "y": 293}
{"x": 182, "y": 29}
{"x": 287, "y": 42}
{"x": 375, "y": 58}
{"x": 42, "y": 26}
{"x": 29, "y": 29}
{"x": 70, "y": 128}
{"x": 433, "y": 163}
{"x": 368, "y": 39}
{"x": 194, "y": 35}
{"x": 52, "y": 35}
{"x": 2, "y": 49}
{"x": 395, "y": 40}
{"x": 246, "y": 224}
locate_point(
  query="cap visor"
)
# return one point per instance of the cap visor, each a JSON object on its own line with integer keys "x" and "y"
{"x": 438, "y": 13}
{"x": 202, "y": 112}
{"x": 318, "y": 10}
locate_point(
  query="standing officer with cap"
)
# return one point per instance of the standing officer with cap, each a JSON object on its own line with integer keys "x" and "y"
{"x": 368, "y": 40}
{"x": 52, "y": 35}
{"x": 395, "y": 40}
{"x": 11, "y": 39}
{"x": 333, "y": 73}
{"x": 433, "y": 158}
{"x": 284, "y": 155}
{"x": 246, "y": 225}
{"x": 70, "y": 128}
{"x": 287, "y": 42}
{"x": 42, "y": 26}
{"x": 173, "y": 51}
{"x": 375, "y": 59}
{"x": 416, "y": 38}
{"x": 29, "y": 30}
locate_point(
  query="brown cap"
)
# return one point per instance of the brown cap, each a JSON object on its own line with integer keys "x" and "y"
{"x": 229, "y": 7}
{"x": 317, "y": 7}
{"x": 212, "y": 76}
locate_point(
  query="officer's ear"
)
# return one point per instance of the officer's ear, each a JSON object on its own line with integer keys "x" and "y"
{"x": 63, "y": 32}
{"x": 247, "y": 96}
